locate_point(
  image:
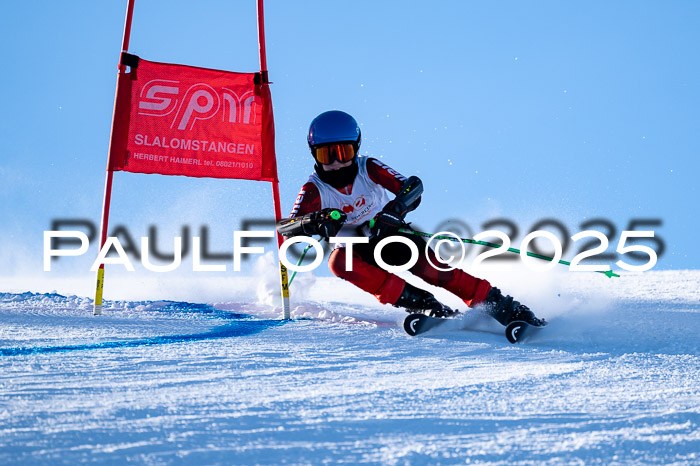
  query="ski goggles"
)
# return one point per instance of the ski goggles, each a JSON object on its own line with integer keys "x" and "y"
{"x": 326, "y": 154}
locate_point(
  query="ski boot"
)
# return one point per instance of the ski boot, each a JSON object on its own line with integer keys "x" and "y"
{"x": 505, "y": 310}
{"x": 415, "y": 300}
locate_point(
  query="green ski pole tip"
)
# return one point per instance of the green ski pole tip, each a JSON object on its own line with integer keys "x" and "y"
{"x": 335, "y": 215}
{"x": 611, "y": 274}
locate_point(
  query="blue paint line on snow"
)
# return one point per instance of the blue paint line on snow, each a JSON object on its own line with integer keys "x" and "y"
{"x": 241, "y": 325}
{"x": 236, "y": 329}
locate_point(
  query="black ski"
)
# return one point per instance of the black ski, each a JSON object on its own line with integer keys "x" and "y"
{"x": 518, "y": 330}
{"x": 415, "y": 324}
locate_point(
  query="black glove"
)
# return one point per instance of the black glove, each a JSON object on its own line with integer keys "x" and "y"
{"x": 326, "y": 222}
{"x": 391, "y": 218}
{"x": 386, "y": 223}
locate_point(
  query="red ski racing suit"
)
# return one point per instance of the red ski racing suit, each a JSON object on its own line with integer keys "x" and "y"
{"x": 361, "y": 201}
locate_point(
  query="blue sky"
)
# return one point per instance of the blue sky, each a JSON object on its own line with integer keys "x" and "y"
{"x": 570, "y": 111}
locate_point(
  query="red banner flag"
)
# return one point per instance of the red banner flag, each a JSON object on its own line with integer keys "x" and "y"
{"x": 183, "y": 120}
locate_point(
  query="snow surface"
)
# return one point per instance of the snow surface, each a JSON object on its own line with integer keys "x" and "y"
{"x": 613, "y": 379}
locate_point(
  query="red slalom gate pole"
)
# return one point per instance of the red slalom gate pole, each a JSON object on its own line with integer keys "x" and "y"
{"x": 284, "y": 281}
{"x": 261, "y": 40}
{"x": 97, "y": 308}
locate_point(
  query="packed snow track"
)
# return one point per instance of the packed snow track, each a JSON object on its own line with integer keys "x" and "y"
{"x": 160, "y": 382}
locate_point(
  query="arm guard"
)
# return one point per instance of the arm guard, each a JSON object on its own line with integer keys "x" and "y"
{"x": 408, "y": 197}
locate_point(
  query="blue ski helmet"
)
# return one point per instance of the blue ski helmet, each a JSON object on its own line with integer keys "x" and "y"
{"x": 334, "y": 126}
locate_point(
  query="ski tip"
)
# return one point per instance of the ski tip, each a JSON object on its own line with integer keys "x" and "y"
{"x": 412, "y": 324}
{"x": 515, "y": 330}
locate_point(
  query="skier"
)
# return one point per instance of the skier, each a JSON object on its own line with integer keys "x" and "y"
{"x": 347, "y": 196}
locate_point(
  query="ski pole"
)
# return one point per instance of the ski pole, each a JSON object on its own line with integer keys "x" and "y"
{"x": 335, "y": 215}
{"x": 608, "y": 273}
{"x": 303, "y": 254}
